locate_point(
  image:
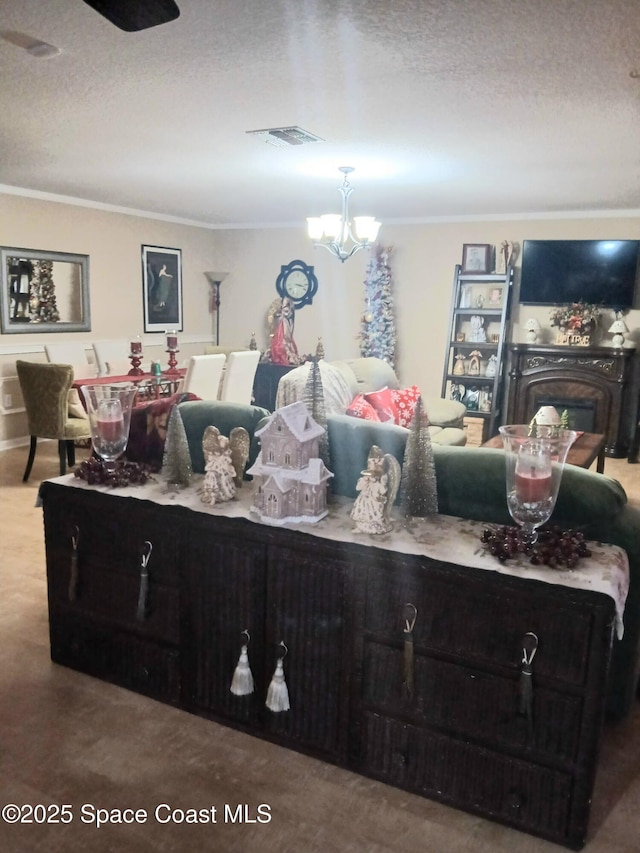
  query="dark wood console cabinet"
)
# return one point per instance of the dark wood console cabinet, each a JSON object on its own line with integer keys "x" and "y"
{"x": 600, "y": 379}
{"x": 458, "y": 736}
{"x": 265, "y": 384}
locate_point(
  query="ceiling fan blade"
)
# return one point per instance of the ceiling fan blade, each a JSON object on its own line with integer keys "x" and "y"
{"x": 135, "y": 15}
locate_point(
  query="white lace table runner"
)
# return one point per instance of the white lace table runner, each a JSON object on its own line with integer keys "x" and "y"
{"x": 441, "y": 537}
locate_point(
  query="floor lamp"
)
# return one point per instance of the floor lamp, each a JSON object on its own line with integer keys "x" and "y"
{"x": 215, "y": 280}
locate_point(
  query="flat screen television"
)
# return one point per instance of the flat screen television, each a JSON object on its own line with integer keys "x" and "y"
{"x": 600, "y": 272}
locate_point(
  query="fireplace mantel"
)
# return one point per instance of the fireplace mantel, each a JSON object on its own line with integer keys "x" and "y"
{"x": 599, "y": 379}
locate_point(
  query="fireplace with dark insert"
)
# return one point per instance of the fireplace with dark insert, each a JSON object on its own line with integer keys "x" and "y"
{"x": 595, "y": 385}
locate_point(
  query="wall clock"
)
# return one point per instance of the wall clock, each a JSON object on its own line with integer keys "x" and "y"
{"x": 297, "y": 281}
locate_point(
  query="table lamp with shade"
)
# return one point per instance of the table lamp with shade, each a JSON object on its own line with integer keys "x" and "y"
{"x": 618, "y": 329}
{"x": 532, "y": 327}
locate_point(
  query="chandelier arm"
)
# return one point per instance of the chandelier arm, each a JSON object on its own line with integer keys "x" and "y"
{"x": 332, "y": 247}
{"x": 345, "y": 255}
{"x": 337, "y": 249}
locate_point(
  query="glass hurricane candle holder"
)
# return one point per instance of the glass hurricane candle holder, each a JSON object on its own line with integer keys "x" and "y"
{"x": 535, "y": 457}
{"x": 109, "y": 412}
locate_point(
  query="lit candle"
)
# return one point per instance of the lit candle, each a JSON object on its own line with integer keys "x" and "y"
{"x": 172, "y": 340}
{"x": 136, "y": 347}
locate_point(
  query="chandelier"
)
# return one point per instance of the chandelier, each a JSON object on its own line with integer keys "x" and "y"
{"x": 333, "y": 230}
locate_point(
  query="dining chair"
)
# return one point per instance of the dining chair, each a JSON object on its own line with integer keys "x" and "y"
{"x": 239, "y": 375}
{"x": 203, "y": 376}
{"x": 213, "y": 349}
{"x": 73, "y": 354}
{"x": 112, "y": 357}
{"x": 45, "y": 391}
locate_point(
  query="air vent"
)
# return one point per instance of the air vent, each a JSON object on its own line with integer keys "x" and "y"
{"x": 283, "y": 136}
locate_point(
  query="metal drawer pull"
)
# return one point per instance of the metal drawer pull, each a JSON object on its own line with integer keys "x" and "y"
{"x": 407, "y": 673}
{"x": 529, "y": 649}
{"x": 144, "y": 583}
{"x": 73, "y": 574}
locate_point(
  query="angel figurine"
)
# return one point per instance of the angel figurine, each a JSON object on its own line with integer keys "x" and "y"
{"x": 474, "y": 363}
{"x": 239, "y": 442}
{"x": 492, "y": 366}
{"x": 378, "y": 487}
{"x": 504, "y": 257}
{"x": 219, "y": 473}
{"x": 459, "y": 368}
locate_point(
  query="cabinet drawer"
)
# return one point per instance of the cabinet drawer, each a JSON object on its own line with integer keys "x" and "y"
{"x": 481, "y": 617}
{"x": 524, "y": 795}
{"x": 117, "y": 657}
{"x": 472, "y": 704}
{"x": 107, "y": 536}
{"x": 114, "y": 595}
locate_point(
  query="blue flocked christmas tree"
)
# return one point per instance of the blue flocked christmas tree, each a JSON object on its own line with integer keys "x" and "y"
{"x": 377, "y": 331}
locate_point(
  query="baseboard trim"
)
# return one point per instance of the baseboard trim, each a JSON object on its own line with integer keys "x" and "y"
{"x": 23, "y": 441}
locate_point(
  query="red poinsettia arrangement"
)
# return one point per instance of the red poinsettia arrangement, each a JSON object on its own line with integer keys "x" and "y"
{"x": 577, "y": 317}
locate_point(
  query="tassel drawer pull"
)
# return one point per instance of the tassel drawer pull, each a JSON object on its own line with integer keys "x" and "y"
{"x": 143, "y": 595}
{"x": 73, "y": 573}
{"x": 278, "y": 694}
{"x": 529, "y": 649}
{"x": 242, "y": 681}
{"x": 407, "y": 671}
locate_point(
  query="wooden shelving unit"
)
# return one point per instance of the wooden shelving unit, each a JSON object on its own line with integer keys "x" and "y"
{"x": 474, "y": 365}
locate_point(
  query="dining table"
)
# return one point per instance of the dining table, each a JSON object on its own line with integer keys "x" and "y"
{"x": 150, "y": 386}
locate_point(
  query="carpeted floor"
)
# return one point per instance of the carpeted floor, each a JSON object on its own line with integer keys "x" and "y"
{"x": 67, "y": 739}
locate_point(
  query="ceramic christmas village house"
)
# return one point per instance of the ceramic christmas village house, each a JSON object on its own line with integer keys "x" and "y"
{"x": 290, "y": 479}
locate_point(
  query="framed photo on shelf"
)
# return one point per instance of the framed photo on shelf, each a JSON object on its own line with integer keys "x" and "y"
{"x": 495, "y": 297}
{"x": 476, "y": 257}
{"x": 162, "y": 288}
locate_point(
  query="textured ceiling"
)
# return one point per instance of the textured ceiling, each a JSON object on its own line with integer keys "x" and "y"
{"x": 445, "y": 108}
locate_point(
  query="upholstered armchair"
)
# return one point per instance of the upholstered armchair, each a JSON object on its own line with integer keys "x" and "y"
{"x": 45, "y": 391}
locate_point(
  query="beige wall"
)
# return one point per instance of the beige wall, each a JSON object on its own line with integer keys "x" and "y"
{"x": 422, "y": 263}
{"x": 113, "y": 244}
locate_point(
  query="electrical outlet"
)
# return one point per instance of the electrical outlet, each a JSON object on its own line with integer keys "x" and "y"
{"x": 7, "y": 401}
